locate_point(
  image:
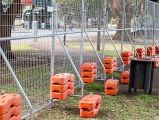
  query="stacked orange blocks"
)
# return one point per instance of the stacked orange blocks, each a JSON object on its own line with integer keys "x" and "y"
{"x": 89, "y": 106}
{"x": 111, "y": 87}
{"x": 126, "y": 56}
{"x": 62, "y": 86}
{"x": 140, "y": 53}
{"x": 89, "y": 72}
{"x": 10, "y": 107}
{"x": 151, "y": 50}
{"x": 156, "y": 63}
{"x": 157, "y": 50}
{"x": 125, "y": 77}
{"x": 110, "y": 64}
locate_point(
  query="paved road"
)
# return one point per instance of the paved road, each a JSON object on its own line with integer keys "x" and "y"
{"x": 46, "y": 41}
{"x": 23, "y": 32}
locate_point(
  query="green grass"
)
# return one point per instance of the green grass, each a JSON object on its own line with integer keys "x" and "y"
{"x": 109, "y": 48}
{"x": 114, "y": 75}
{"x": 120, "y": 107}
{"x": 22, "y": 47}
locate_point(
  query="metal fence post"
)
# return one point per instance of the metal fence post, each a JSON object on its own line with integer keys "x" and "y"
{"x": 105, "y": 21}
{"x": 154, "y": 22}
{"x": 82, "y": 33}
{"x": 53, "y": 42}
{"x": 145, "y": 33}
{"x": 123, "y": 25}
{"x": 73, "y": 65}
{"x": 104, "y": 27}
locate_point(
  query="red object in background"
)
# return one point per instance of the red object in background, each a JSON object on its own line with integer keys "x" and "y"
{"x": 125, "y": 77}
{"x": 111, "y": 87}
{"x": 140, "y": 52}
{"x": 157, "y": 50}
{"x": 151, "y": 50}
{"x": 26, "y": 2}
{"x": 126, "y": 56}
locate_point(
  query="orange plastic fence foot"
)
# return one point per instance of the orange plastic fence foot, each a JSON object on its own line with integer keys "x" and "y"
{"x": 111, "y": 87}
{"x": 89, "y": 106}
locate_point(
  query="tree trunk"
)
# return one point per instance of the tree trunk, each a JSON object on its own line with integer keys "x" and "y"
{"x": 5, "y": 31}
{"x": 129, "y": 9}
{"x": 117, "y": 35}
{"x": 128, "y": 25}
{"x": 6, "y": 22}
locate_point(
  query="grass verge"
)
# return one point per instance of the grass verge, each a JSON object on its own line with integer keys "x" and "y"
{"x": 121, "y": 107}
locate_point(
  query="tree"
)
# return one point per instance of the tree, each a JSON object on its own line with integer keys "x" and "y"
{"x": 7, "y": 17}
{"x": 117, "y": 9}
{"x": 130, "y": 7}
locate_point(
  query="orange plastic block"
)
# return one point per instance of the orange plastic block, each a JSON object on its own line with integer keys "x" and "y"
{"x": 150, "y": 53}
{"x": 157, "y": 49}
{"x": 59, "y": 88}
{"x": 89, "y": 114}
{"x": 60, "y": 79}
{"x": 95, "y": 65}
{"x": 71, "y": 85}
{"x": 7, "y": 101}
{"x": 124, "y": 80}
{"x": 150, "y": 50}
{"x": 157, "y": 52}
{"x": 88, "y": 80}
{"x": 95, "y": 76}
{"x": 60, "y": 96}
{"x": 125, "y": 74}
{"x": 70, "y": 92}
{"x": 95, "y": 71}
{"x": 115, "y": 64}
{"x": 14, "y": 113}
{"x": 126, "y": 58}
{"x": 90, "y": 102}
{"x": 109, "y": 71}
{"x": 125, "y": 77}
{"x": 127, "y": 62}
{"x": 111, "y": 84}
{"x": 140, "y": 55}
{"x": 113, "y": 58}
{"x": 127, "y": 54}
{"x": 108, "y": 61}
{"x": 112, "y": 91}
{"x": 111, "y": 87}
{"x": 71, "y": 77}
{"x": 16, "y": 117}
{"x": 109, "y": 66}
{"x": 140, "y": 50}
{"x": 88, "y": 74}
{"x": 115, "y": 68}
{"x": 156, "y": 63}
{"x": 87, "y": 67}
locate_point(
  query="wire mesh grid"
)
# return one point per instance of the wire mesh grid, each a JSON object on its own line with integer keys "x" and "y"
{"x": 31, "y": 64}
{"x": 69, "y": 15}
